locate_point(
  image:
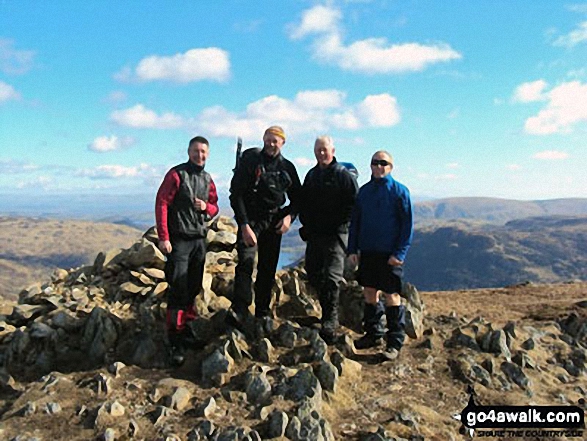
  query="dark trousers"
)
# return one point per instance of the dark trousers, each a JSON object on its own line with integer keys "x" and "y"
{"x": 325, "y": 265}
{"x": 268, "y": 245}
{"x": 184, "y": 271}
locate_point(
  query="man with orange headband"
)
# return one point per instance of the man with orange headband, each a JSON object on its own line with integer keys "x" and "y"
{"x": 262, "y": 180}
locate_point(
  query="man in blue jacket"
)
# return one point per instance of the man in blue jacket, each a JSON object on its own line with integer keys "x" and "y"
{"x": 379, "y": 238}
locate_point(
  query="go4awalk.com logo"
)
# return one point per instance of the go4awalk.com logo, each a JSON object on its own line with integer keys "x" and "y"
{"x": 521, "y": 421}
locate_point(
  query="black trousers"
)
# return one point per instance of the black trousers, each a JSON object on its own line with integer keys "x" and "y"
{"x": 268, "y": 245}
{"x": 325, "y": 266}
{"x": 184, "y": 271}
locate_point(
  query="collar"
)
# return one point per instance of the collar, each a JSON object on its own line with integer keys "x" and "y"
{"x": 194, "y": 168}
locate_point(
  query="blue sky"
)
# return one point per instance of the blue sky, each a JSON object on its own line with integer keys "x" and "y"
{"x": 472, "y": 98}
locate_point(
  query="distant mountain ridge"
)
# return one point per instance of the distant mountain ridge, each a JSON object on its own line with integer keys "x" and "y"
{"x": 495, "y": 209}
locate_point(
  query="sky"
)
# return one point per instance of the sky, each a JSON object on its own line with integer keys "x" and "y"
{"x": 472, "y": 98}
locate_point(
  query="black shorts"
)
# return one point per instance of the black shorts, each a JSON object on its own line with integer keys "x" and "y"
{"x": 375, "y": 272}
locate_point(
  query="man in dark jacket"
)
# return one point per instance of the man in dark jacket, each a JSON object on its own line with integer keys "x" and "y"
{"x": 186, "y": 200}
{"x": 328, "y": 196}
{"x": 258, "y": 190}
{"x": 379, "y": 238}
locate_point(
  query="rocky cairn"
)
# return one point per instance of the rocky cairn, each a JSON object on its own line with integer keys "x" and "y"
{"x": 88, "y": 349}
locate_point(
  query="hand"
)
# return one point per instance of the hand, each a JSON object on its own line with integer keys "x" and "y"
{"x": 283, "y": 225}
{"x": 394, "y": 261}
{"x": 200, "y": 204}
{"x": 165, "y": 246}
{"x": 354, "y": 259}
{"x": 249, "y": 236}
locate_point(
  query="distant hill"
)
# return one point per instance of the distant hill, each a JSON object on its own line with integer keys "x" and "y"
{"x": 31, "y": 248}
{"x": 496, "y": 210}
{"x": 456, "y": 255}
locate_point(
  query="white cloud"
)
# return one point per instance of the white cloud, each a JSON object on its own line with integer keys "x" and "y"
{"x": 446, "y": 177}
{"x": 379, "y": 110}
{"x": 110, "y": 143}
{"x": 7, "y": 92}
{"x": 194, "y": 65}
{"x": 513, "y": 167}
{"x": 320, "y": 99}
{"x": 370, "y": 56}
{"x": 530, "y": 91}
{"x": 551, "y": 155}
{"x": 574, "y": 37}
{"x": 316, "y": 20}
{"x": 309, "y": 112}
{"x": 453, "y": 165}
{"x": 14, "y": 61}
{"x": 304, "y": 162}
{"x": 42, "y": 182}
{"x": 567, "y": 106}
{"x": 113, "y": 171}
{"x": 142, "y": 118}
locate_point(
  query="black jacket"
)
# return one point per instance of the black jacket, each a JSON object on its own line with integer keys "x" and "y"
{"x": 328, "y": 197}
{"x": 259, "y": 187}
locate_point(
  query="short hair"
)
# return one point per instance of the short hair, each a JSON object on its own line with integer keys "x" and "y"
{"x": 199, "y": 139}
{"x": 383, "y": 152}
{"x": 327, "y": 140}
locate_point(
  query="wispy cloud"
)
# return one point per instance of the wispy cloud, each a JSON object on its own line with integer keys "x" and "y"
{"x": 194, "y": 65}
{"x": 114, "y": 171}
{"x": 574, "y": 37}
{"x": 110, "y": 143}
{"x": 7, "y": 92}
{"x": 304, "y": 162}
{"x": 370, "y": 56}
{"x": 14, "y": 61}
{"x": 452, "y": 165}
{"x": 513, "y": 167}
{"x": 13, "y": 166}
{"x": 140, "y": 117}
{"x": 566, "y": 106}
{"x": 115, "y": 97}
{"x": 550, "y": 155}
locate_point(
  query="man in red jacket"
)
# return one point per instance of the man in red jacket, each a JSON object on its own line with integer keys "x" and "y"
{"x": 186, "y": 200}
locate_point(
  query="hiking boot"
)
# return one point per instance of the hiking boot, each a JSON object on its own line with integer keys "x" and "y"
{"x": 368, "y": 341}
{"x": 176, "y": 356}
{"x": 390, "y": 353}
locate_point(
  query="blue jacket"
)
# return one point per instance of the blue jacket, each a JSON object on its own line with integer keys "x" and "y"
{"x": 382, "y": 219}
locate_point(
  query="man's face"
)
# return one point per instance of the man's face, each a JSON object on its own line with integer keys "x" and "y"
{"x": 324, "y": 153}
{"x": 272, "y": 144}
{"x": 380, "y": 165}
{"x": 198, "y": 153}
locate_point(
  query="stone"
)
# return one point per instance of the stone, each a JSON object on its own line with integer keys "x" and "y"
{"x": 133, "y": 428}
{"x": 41, "y": 330}
{"x": 160, "y": 289}
{"x": 302, "y": 385}
{"x": 130, "y": 288}
{"x": 180, "y": 399}
{"x": 116, "y": 409}
{"x": 207, "y": 408}
{"x": 142, "y": 278}
{"x": 29, "y": 409}
{"x": 59, "y": 275}
{"x": 109, "y": 434}
{"x": 257, "y": 388}
{"x": 145, "y": 253}
{"x": 515, "y": 373}
{"x": 52, "y": 408}
{"x": 216, "y": 366}
{"x": 100, "y": 334}
{"x": 327, "y": 375}
{"x": 277, "y": 423}
{"x": 285, "y": 336}
{"x": 154, "y": 273}
{"x": 529, "y": 344}
{"x": 221, "y": 240}
{"x": 116, "y": 367}
{"x": 265, "y": 351}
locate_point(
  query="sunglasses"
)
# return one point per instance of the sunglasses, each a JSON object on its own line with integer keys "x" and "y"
{"x": 381, "y": 162}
